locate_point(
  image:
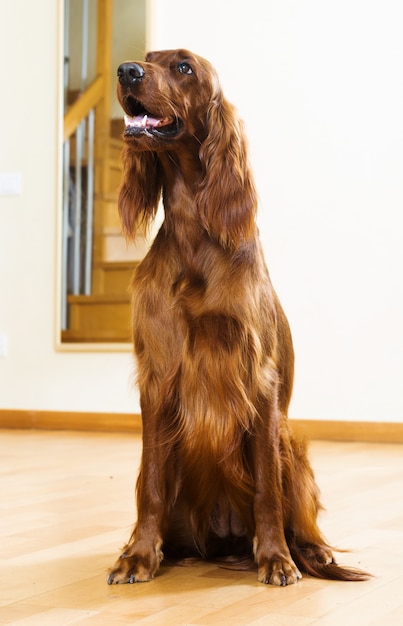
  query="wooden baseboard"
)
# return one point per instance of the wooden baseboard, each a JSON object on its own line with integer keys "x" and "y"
{"x": 373, "y": 432}
{"x": 64, "y": 420}
{"x": 380, "y": 432}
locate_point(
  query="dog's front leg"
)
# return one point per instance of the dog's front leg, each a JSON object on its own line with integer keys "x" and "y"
{"x": 272, "y": 555}
{"x": 142, "y": 555}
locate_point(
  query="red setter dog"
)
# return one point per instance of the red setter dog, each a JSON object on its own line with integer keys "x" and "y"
{"x": 221, "y": 475}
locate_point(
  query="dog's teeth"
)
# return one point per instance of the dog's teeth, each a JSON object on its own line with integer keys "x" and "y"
{"x": 129, "y": 121}
{"x": 140, "y": 122}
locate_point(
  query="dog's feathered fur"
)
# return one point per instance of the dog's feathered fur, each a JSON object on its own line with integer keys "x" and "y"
{"x": 221, "y": 474}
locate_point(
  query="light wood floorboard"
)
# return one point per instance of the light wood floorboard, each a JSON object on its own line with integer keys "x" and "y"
{"x": 67, "y": 507}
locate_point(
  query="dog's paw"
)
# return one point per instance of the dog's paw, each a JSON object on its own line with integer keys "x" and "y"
{"x": 134, "y": 566}
{"x": 278, "y": 571}
{"x": 275, "y": 568}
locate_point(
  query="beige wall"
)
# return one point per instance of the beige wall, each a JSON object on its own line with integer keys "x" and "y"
{"x": 34, "y": 374}
{"x": 319, "y": 86}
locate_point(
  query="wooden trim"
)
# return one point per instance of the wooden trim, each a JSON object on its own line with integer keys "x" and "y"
{"x": 379, "y": 432}
{"x": 373, "y": 432}
{"x": 64, "y": 420}
{"x": 80, "y": 109}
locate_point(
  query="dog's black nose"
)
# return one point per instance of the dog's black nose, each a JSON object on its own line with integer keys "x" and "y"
{"x": 130, "y": 73}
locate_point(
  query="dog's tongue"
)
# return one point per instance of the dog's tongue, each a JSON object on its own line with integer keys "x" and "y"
{"x": 146, "y": 121}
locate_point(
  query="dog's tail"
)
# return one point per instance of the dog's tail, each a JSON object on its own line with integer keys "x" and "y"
{"x": 308, "y": 563}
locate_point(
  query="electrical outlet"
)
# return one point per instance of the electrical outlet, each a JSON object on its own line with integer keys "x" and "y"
{"x": 10, "y": 183}
{"x": 3, "y": 345}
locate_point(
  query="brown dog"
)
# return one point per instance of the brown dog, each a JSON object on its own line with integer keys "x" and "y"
{"x": 221, "y": 474}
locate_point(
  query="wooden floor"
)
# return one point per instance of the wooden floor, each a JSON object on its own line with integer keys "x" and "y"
{"x": 67, "y": 508}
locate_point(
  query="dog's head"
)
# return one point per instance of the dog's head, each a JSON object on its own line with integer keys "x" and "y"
{"x": 173, "y": 102}
{"x": 166, "y": 98}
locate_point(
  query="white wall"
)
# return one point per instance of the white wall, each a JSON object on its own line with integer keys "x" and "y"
{"x": 319, "y": 85}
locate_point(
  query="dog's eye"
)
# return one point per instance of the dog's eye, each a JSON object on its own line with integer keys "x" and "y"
{"x": 185, "y": 68}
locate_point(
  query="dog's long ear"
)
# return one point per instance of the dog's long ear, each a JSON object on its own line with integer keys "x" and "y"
{"x": 226, "y": 197}
{"x": 140, "y": 191}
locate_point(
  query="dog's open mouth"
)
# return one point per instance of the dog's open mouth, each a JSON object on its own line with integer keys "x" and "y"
{"x": 139, "y": 121}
